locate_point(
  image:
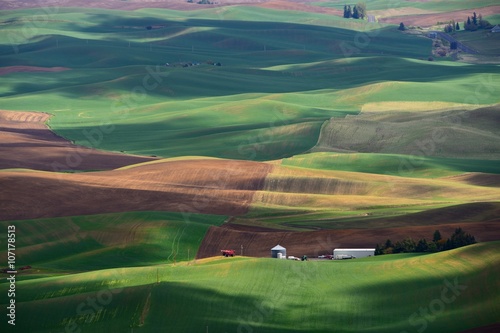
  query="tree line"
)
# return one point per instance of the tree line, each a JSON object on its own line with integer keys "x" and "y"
{"x": 471, "y": 24}
{"x": 458, "y": 239}
{"x": 357, "y": 12}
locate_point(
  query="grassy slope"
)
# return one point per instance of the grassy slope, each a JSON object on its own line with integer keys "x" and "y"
{"x": 297, "y": 197}
{"x": 268, "y": 100}
{"x": 388, "y": 164}
{"x": 364, "y": 295}
{"x": 331, "y": 190}
{"x": 94, "y": 242}
{"x": 262, "y": 104}
{"x": 453, "y": 134}
{"x": 485, "y": 42}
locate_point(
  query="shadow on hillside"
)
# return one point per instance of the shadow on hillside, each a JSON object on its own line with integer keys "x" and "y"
{"x": 417, "y": 295}
{"x": 239, "y": 46}
{"x": 298, "y": 301}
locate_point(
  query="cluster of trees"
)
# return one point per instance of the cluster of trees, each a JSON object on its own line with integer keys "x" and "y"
{"x": 476, "y": 22}
{"x": 451, "y": 27}
{"x": 471, "y": 24}
{"x": 357, "y": 12}
{"x": 458, "y": 239}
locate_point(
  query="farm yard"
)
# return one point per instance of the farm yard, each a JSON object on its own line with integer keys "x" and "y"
{"x": 152, "y": 153}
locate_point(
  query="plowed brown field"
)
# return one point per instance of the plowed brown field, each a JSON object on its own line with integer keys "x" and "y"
{"x": 313, "y": 243}
{"x": 50, "y": 6}
{"x": 427, "y": 20}
{"x": 17, "y": 69}
{"x": 26, "y": 142}
{"x": 199, "y": 185}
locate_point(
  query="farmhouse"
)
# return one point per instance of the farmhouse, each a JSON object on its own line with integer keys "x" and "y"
{"x": 496, "y": 28}
{"x": 352, "y": 253}
{"x": 278, "y": 252}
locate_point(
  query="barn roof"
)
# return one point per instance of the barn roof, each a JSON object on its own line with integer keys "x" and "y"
{"x": 278, "y": 247}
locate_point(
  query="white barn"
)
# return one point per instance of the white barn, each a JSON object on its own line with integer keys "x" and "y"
{"x": 352, "y": 253}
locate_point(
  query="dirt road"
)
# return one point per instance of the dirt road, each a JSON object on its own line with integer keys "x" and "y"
{"x": 462, "y": 47}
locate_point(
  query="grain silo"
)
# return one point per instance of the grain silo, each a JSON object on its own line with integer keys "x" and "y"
{"x": 278, "y": 252}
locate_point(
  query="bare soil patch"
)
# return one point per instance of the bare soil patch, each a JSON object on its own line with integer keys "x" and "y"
{"x": 51, "y": 6}
{"x": 27, "y": 142}
{"x": 427, "y": 20}
{"x": 297, "y": 6}
{"x": 314, "y": 243}
{"x": 477, "y": 178}
{"x": 209, "y": 186}
{"x": 17, "y": 69}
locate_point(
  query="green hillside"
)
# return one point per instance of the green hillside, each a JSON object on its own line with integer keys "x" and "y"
{"x": 451, "y": 134}
{"x": 357, "y": 128}
{"x": 396, "y": 165}
{"x": 283, "y": 74}
{"x": 269, "y": 295}
{"x": 86, "y": 243}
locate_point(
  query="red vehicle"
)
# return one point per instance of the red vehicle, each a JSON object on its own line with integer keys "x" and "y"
{"x": 228, "y": 253}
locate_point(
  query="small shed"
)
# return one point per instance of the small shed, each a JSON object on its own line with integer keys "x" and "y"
{"x": 496, "y": 28}
{"x": 278, "y": 252}
{"x": 352, "y": 253}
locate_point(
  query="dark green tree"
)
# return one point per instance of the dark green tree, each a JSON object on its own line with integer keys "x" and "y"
{"x": 405, "y": 246}
{"x": 422, "y": 246}
{"x": 432, "y": 247}
{"x": 460, "y": 238}
{"x": 474, "y": 19}
{"x": 388, "y": 243}
{"x": 437, "y": 236}
{"x": 361, "y": 6}
{"x": 484, "y": 24}
{"x": 347, "y": 11}
{"x": 355, "y": 13}
{"x": 457, "y": 27}
{"x": 402, "y": 26}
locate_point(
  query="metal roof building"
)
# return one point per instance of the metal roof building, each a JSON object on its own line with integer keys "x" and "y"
{"x": 278, "y": 252}
{"x": 352, "y": 253}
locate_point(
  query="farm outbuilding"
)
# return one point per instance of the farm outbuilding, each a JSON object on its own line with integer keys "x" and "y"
{"x": 352, "y": 253}
{"x": 278, "y": 252}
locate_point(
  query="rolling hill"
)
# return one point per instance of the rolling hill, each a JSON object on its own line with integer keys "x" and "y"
{"x": 272, "y": 295}
{"x": 139, "y": 138}
{"x": 452, "y": 134}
